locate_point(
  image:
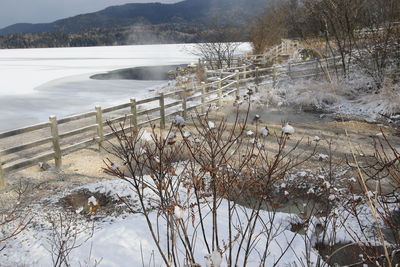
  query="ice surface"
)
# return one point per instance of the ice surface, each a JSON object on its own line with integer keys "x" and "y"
{"x": 36, "y": 83}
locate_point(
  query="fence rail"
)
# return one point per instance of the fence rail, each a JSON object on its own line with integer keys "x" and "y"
{"x": 90, "y": 127}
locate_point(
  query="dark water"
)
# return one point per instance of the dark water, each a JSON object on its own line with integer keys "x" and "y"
{"x": 153, "y": 73}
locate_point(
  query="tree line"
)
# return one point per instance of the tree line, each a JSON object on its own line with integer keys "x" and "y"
{"x": 361, "y": 32}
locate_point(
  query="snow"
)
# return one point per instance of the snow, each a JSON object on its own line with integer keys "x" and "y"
{"x": 288, "y": 129}
{"x": 215, "y": 259}
{"x": 186, "y": 134}
{"x": 178, "y": 212}
{"x": 311, "y": 191}
{"x": 117, "y": 241}
{"x": 145, "y": 135}
{"x": 178, "y": 121}
{"x": 92, "y": 200}
{"x": 171, "y": 135}
{"x": 322, "y": 156}
{"x": 249, "y": 133}
{"x": 265, "y": 131}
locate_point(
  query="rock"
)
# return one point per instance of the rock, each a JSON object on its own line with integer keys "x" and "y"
{"x": 44, "y": 166}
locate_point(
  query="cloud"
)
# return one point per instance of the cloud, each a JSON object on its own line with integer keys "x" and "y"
{"x": 42, "y": 11}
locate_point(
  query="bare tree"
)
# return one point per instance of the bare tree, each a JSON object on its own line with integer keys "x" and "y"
{"x": 271, "y": 26}
{"x": 218, "y": 44}
{"x": 363, "y": 32}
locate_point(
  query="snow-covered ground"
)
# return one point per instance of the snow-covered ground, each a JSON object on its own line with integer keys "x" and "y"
{"x": 126, "y": 241}
{"x": 36, "y": 83}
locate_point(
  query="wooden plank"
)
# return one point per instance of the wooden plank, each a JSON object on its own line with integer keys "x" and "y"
{"x": 173, "y": 104}
{"x": 25, "y": 146}
{"x": 228, "y": 85}
{"x": 211, "y": 101}
{"x": 172, "y": 114}
{"x": 120, "y": 118}
{"x": 195, "y": 106}
{"x": 147, "y": 111}
{"x": 174, "y": 93}
{"x": 193, "y": 97}
{"x": 78, "y": 131}
{"x": 229, "y": 92}
{"x": 25, "y": 130}
{"x": 29, "y": 163}
{"x": 149, "y": 121}
{"x": 115, "y": 108}
{"x": 77, "y": 117}
{"x": 266, "y": 69}
{"x": 112, "y": 134}
{"x": 147, "y": 100}
{"x": 77, "y": 146}
{"x": 231, "y": 76}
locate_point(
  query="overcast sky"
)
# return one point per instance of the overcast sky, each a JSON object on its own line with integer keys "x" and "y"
{"x": 39, "y": 11}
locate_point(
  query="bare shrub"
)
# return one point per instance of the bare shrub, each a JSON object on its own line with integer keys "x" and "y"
{"x": 228, "y": 174}
{"x": 15, "y": 219}
{"x": 66, "y": 229}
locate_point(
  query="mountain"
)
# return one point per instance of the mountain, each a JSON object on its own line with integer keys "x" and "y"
{"x": 189, "y": 12}
{"x": 182, "y": 22}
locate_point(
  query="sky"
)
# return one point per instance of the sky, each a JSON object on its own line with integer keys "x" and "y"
{"x": 43, "y": 11}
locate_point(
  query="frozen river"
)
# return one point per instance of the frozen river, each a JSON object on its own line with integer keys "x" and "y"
{"x": 36, "y": 83}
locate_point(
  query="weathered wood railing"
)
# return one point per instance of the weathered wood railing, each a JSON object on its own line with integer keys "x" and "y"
{"x": 69, "y": 134}
{"x": 57, "y": 138}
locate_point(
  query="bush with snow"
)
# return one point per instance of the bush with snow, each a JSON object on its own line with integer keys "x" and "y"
{"x": 353, "y": 95}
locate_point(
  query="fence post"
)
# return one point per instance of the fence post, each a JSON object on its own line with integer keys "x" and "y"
{"x": 134, "y": 123}
{"x": 257, "y": 80}
{"x": 237, "y": 92}
{"x": 244, "y": 71}
{"x": 2, "y": 177}
{"x": 184, "y": 103}
{"x": 274, "y": 77}
{"x": 56, "y": 141}
{"x": 203, "y": 98}
{"x": 316, "y": 68}
{"x": 162, "y": 111}
{"x": 220, "y": 93}
{"x": 100, "y": 127}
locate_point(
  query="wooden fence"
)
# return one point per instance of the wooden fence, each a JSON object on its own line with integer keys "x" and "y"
{"x": 59, "y": 137}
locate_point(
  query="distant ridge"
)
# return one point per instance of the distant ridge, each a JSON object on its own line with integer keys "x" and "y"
{"x": 182, "y": 22}
{"x": 188, "y": 11}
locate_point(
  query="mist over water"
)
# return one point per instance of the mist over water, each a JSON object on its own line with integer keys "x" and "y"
{"x": 154, "y": 73}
